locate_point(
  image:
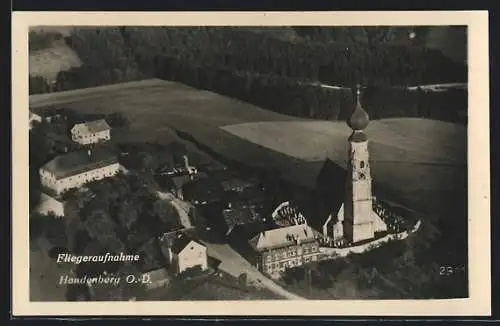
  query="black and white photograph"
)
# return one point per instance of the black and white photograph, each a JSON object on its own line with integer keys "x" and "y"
{"x": 214, "y": 162}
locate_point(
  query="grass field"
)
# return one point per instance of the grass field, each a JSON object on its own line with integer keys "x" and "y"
{"x": 412, "y": 156}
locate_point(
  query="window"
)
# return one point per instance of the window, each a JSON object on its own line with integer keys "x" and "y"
{"x": 362, "y": 164}
{"x": 362, "y": 176}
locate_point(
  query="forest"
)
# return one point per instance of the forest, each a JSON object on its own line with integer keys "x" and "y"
{"x": 273, "y": 73}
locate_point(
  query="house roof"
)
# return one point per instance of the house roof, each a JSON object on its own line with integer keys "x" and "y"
{"x": 93, "y": 126}
{"x": 77, "y": 162}
{"x": 177, "y": 241}
{"x": 240, "y": 215}
{"x": 283, "y": 237}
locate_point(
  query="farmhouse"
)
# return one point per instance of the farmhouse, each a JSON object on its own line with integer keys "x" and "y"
{"x": 72, "y": 170}
{"x": 183, "y": 252}
{"x": 285, "y": 247}
{"x": 91, "y": 132}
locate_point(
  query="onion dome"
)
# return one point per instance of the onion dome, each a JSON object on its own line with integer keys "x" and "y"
{"x": 359, "y": 119}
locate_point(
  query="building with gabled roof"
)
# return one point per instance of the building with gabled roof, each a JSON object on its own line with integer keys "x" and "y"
{"x": 74, "y": 169}
{"x": 91, "y": 132}
{"x": 183, "y": 252}
{"x": 285, "y": 247}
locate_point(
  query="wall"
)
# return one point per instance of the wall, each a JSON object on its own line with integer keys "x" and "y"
{"x": 342, "y": 252}
{"x": 90, "y": 138}
{"x": 77, "y": 180}
{"x": 276, "y": 261}
{"x": 189, "y": 258}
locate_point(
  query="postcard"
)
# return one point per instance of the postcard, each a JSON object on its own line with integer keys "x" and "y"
{"x": 251, "y": 163}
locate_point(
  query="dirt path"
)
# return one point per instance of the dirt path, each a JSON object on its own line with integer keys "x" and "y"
{"x": 181, "y": 208}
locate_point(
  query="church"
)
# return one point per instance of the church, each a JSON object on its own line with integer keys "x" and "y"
{"x": 345, "y": 215}
{"x": 356, "y": 221}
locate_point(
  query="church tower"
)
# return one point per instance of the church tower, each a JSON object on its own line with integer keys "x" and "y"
{"x": 358, "y": 218}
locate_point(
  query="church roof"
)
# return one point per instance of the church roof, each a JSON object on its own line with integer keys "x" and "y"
{"x": 359, "y": 119}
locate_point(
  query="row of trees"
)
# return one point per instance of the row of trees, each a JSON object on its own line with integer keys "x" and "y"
{"x": 349, "y": 61}
{"x": 308, "y": 100}
{"x": 272, "y": 73}
{"x": 120, "y": 214}
{"x": 42, "y": 40}
{"x": 106, "y": 59}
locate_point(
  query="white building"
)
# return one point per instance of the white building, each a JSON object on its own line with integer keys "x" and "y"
{"x": 183, "y": 253}
{"x": 91, "y": 132}
{"x": 72, "y": 170}
{"x": 356, "y": 221}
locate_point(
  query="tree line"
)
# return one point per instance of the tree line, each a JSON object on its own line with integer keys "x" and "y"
{"x": 273, "y": 73}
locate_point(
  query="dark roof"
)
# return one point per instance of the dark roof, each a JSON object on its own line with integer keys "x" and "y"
{"x": 180, "y": 180}
{"x": 203, "y": 190}
{"x": 240, "y": 215}
{"x": 235, "y": 183}
{"x": 358, "y": 137}
{"x": 77, "y": 162}
{"x": 359, "y": 119}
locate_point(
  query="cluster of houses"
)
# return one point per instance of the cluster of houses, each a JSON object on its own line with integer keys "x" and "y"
{"x": 172, "y": 254}
{"x": 283, "y": 239}
{"x": 73, "y": 169}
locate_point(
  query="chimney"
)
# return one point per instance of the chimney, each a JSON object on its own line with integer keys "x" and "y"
{"x": 186, "y": 162}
